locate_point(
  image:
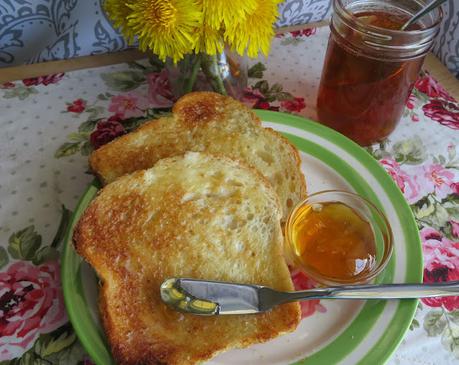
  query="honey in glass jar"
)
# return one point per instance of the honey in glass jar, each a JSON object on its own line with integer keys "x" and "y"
{"x": 371, "y": 65}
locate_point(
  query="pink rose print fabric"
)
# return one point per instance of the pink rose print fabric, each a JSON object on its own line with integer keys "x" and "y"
{"x": 435, "y": 102}
{"x": 408, "y": 184}
{"x": 159, "y": 90}
{"x": 429, "y": 86}
{"x": 441, "y": 261}
{"x": 128, "y": 105}
{"x": 444, "y": 112}
{"x": 31, "y": 303}
{"x": 77, "y": 106}
{"x": 436, "y": 179}
{"x": 43, "y": 80}
{"x": 106, "y": 131}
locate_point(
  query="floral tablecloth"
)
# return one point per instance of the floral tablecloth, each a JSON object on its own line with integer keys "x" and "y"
{"x": 50, "y": 124}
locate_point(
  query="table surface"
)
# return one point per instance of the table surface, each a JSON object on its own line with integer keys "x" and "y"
{"x": 47, "y": 132}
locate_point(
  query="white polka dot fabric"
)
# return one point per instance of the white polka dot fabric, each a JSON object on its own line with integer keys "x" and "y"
{"x": 38, "y": 116}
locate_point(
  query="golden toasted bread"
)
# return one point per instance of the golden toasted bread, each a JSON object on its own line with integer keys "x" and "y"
{"x": 195, "y": 216}
{"x": 212, "y": 123}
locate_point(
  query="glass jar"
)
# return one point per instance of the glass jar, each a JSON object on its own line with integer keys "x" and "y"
{"x": 225, "y": 73}
{"x": 371, "y": 66}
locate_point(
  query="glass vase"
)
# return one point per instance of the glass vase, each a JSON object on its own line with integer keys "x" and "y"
{"x": 225, "y": 73}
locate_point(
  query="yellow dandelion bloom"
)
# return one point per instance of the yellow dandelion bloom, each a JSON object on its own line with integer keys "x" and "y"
{"x": 166, "y": 27}
{"x": 118, "y": 12}
{"x": 226, "y": 12}
{"x": 209, "y": 41}
{"x": 256, "y": 31}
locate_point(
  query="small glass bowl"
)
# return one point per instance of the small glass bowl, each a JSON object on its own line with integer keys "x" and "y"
{"x": 365, "y": 209}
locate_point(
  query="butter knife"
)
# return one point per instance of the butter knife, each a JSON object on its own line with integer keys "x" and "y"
{"x": 203, "y": 297}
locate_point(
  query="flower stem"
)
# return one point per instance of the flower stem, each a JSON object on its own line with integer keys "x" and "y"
{"x": 210, "y": 69}
{"x": 194, "y": 72}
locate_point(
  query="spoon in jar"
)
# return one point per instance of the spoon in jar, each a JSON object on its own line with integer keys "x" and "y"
{"x": 209, "y": 298}
{"x": 434, "y": 4}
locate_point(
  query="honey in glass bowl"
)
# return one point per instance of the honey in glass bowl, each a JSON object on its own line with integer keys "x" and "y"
{"x": 337, "y": 237}
{"x": 334, "y": 239}
{"x": 371, "y": 66}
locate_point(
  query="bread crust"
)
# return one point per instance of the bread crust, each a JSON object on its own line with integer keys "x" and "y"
{"x": 219, "y": 221}
{"x": 211, "y": 123}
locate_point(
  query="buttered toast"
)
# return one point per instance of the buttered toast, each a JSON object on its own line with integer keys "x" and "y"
{"x": 211, "y": 123}
{"x": 196, "y": 216}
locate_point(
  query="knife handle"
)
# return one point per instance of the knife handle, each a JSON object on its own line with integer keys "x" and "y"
{"x": 382, "y": 291}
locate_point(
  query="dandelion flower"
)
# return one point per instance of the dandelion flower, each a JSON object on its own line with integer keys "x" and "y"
{"x": 209, "y": 41}
{"x": 118, "y": 12}
{"x": 227, "y": 12}
{"x": 166, "y": 27}
{"x": 255, "y": 32}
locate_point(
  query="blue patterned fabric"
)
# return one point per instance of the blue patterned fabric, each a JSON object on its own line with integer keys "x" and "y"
{"x": 42, "y": 30}
{"x": 447, "y": 43}
{"x": 303, "y": 11}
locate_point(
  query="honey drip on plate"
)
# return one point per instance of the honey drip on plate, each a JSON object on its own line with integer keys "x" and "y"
{"x": 334, "y": 240}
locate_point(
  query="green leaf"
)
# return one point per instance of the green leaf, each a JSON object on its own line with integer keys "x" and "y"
{"x": 24, "y": 243}
{"x": 77, "y": 137}
{"x": 454, "y": 316}
{"x": 434, "y": 322}
{"x": 291, "y": 41}
{"x": 94, "y": 111}
{"x": 414, "y": 324}
{"x": 4, "y": 259}
{"x": 424, "y": 208}
{"x": 55, "y": 348}
{"x": 21, "y": 92}
{"x": 410, "y": 151}
{"x": 276, "y": 88}
{"x": 434, "y": 214}
{"x": 29, "y": 359}
{"x": 53, "y": 345}
{"x": 256, "y": 71}
{"x": 380, "y": 154}
{"x": 263, "y": 86}
{"x": 102, "y": 97}
{"x": 450, "y": 339}
{"x": 132, "y": 123}
{"x": 270, "y": 98}
{"x": 123, "y": 80}
{"x": 72, "y": 355}
{"x": 156, "y": 64}
{"x": 88, "y": 126}
{"x": 155, "y": 113}
{"x": 442, "y": 160}
{"x": 86, "y": 148}
{"x": 283, "y": 95}
{"x": 67, "y": 149}
{"x": 45, "y": 254}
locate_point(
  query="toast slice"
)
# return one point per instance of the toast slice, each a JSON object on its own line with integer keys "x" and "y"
{"x": 196, "y": 216}
{"x": 211, "y": 123}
